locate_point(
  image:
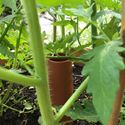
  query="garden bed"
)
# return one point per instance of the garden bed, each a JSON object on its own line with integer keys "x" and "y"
{"x": 28, "y": 104}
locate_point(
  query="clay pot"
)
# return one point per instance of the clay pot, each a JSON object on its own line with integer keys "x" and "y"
{"x": 2, "y": 62}
{"x": 60, "y": 81}
{"x": 118, "y": 102}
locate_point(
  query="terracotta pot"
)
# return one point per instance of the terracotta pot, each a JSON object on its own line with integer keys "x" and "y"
{"x": 118, "y": 102}
{"x": 2, "y": 62}
{"x": 60, "y": 81}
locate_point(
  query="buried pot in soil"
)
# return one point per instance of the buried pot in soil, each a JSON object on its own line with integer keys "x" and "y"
{"x": 60, "y": 81}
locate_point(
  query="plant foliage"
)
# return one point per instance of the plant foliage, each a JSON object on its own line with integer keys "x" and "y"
{"x": 103, "y": 69}
{"x": 68, "y": 3}
{"x": 86, "y": 112}
{"x": 108, "y": 3}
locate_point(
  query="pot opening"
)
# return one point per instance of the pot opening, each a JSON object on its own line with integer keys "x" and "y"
{"x": 59, "y": 59}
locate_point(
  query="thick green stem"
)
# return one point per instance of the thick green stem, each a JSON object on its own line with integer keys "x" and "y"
{"x": 12, "y": 76}
{"x": 36, "y": 43}
{"x": 93, "y": 28}
{"x": 72, "y": 99}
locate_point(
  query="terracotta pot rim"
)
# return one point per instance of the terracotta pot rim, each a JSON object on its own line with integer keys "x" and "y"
{"x": 59, "y": 61}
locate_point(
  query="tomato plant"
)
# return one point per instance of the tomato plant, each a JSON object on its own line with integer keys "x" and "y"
{"x": 103, "y": 62}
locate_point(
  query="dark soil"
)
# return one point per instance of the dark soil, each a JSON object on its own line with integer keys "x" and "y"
{"x": 22, "y": 98}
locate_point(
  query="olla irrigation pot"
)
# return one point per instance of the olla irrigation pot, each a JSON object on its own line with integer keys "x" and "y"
{"x": 60, "y": 81}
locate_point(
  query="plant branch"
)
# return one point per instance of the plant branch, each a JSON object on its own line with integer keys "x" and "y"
{"x": 16, "y": 110}
{"x": 12, "y": 76}
{"x": 71, "y": 100}
{"x": 77, "y": 31}
{"x": 63, "y": 27}
{"x": 93, "y": 28}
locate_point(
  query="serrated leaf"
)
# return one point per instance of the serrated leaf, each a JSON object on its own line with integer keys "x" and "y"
{"x": 79, "y": 11}
{"x": 106, "y": 13}
{"x": 103, "y": 69}
{"x": 87, "y": 112}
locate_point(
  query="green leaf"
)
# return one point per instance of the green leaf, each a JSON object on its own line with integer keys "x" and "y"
{"x": 5, "y": 48}
{"x": 61, "y": 45}
{"x": 1, "y": 8}
{"x": 103, "y": 69}
{"x": 68, "y": 3}
{"x": 6, "y": 19}
{"x": 11, "y": 4}
{"x": 111, "y": 28}
{"x": 108, "y": 3}
{"x": 28, "y": 106}
{"x": 79, "y": 11}
{"x": 86, "y": 112}
{"x": 107, "y": 13}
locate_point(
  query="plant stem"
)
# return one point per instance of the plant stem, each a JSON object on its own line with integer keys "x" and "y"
{"x": 12, "y": 76}
{"x": 16, "y": 110}
{"x": 36, "y": 43}
{"x": 77, "y": 31}
{"x": 63, "y": 27}
{"x": 7, "y": 29}
{"x": 7, "y": 94}
{"x": 54, "y": 28}
{"x": 72, "y": 99}
{"x": 93, "y": 28}
{"x": 17, "y": 45}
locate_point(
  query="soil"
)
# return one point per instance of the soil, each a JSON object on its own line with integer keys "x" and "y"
{"x": 22, "y": 99}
